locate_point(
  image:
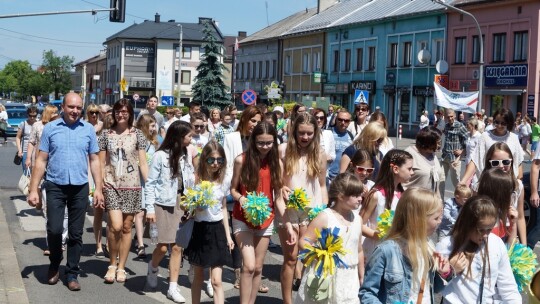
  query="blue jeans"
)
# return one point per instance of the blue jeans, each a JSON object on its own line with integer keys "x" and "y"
{"x": 75, "y": 197}
{"x": 23, "y": 161}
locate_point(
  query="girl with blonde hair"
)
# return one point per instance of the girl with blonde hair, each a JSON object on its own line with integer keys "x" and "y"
{"x": 92, "y": 116}
{"x": 371, "y": 138}
{"x": 402, "y": 268}
{"x": 304, "y": 167}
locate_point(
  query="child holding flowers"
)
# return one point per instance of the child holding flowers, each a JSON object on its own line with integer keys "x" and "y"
{"x": 212, "y": 245}
{"x": 361, "y": 166}
{"x": 256, "y": 182}
{"x": 396, "y": 168}
{"x": 304, "y": 178}
{"x": 345, "y": 195}
{"x": 402, "y": 268}
{"x": 171, "y": 171}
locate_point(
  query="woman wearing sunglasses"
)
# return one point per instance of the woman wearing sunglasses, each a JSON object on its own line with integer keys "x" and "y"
{"x": 503, "y": 124}
{"x": 326, "y": 138}
{"x": 428, "y": 172}
{"x": 92, "y": 116}
{"x": 361, "y": 120}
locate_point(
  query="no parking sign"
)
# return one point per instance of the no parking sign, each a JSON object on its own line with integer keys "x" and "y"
{"x": 249, "y": 97}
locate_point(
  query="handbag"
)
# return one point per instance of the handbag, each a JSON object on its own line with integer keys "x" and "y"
{"x": 24, "y": 182}
{"x": 18, "y": 159}
{"x": 184, "y": 232}
{"x": 317, "y": 289}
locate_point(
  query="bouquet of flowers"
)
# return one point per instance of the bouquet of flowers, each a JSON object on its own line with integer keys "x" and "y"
{"x": 313, "y": 212}
{"x": 257, "y": 208}
{"x": 200, "y": 196}
{"x": 384, "y": 222}
{"x": 298, "y": 199}
{"x": 523, "y": 263}
{"x": 326, "y": 252}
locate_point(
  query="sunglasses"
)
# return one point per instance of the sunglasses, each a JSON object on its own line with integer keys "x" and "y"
{"x": 499, "y": 122}
{"x": 363, "y": 109}
{"x": 211, "y": 160}
{"x": 93, "y": 112}
{"x": 319, "y": 117}
{"x": 497, "y": 162}
{"x": 198, "y": 127}
{"x": 344, "y": 120}
{"x": 32, "y": 116}
{"x": 361, "y": 170}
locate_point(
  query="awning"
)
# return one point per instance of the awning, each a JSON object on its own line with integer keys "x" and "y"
{"x": 504, "y": 92}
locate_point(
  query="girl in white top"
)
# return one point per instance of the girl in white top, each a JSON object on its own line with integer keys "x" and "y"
{"x": 212, "y": 242}
{"x": 345, "y": 195}
{"x": 361, "y": 166}
{"x": 478, "y": 258}
{"x": 472, "y": 141}
{"x": 396, "y": 168}
{"x": 327, "y": 137}
{"x": 304, "y": 167}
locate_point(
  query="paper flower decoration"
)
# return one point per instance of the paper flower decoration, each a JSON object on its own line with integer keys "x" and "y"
{"x": 199, "y": 196}
{"x": 149, "y": 158}
{"x": 326, "y": 252}
{"x": 298, "y": 199}
{"x": 315, "y": 211}
{"x": 384, "y": 222}
{"x": 257, "y": 208}
{"x": 281, "y": 124}
{"x": 523, "y": 263}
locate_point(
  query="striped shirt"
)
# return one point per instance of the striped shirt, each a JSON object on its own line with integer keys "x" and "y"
{"x": 455, "y": 138}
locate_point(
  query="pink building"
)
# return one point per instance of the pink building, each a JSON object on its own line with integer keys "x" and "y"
{"x": 510, "y": 31}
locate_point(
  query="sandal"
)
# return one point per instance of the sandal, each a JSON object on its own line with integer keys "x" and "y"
{"x": 111, "y": 274}
{"x": 263, "y": 288}
{"x": 141, "y": 253}
{"x": 121, "y": 276}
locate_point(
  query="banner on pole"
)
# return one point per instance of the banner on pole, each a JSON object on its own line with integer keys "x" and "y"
{"x": 459, "y": 101}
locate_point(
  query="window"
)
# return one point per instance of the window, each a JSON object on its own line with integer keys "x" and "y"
{"x": 186, "y": 77}
{"x": 267, "y": 69}
{"x": 422, "y": 45}
{"x": 521, "y": 45}
{"x": 438, "y": 51}
{"x": 254, "y": 75}
{"x": 476, "y": 49}
{"x": 274, "y": 68}
{"x": 287, "y": 64}
{"x": 237, "y": 71}
{"x": 499, "y": 47}
{"x": 260, "y": 70}
{"x": 336, "y": 61}
{"x": 305, "y": 63}
{"x": 359, "y": 59}
{"x": 347, "y": 66}
{"x": 407, "y": 54}
{"x": 316, "y": 62}
{"x": 248, "y": 71}
{"x": 393, "y": 54}
{"x": 371, "y": 63}
{"x": 186, "y": 52}
{"x": 461, "y": 49}
{"x": 242, "y": 71}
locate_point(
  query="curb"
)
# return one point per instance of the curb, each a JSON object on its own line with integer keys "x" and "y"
{"x": 12, "y": 289}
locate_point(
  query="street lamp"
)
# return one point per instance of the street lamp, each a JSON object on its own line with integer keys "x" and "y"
{"x": 481, "y": 63}
{"x": 179, "y": 102}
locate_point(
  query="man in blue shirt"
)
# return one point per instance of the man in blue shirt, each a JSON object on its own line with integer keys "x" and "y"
{"x": 67, "y": 145}
{"x": 342, "y": 138}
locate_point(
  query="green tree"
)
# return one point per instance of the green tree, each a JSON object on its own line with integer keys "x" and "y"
{"x": 14, "y": 76}
{"x": 37, "y": 84}
{"x": 58, "y": 72}
{"x": 209, "y": 88}
{"x": 8, "y": 84}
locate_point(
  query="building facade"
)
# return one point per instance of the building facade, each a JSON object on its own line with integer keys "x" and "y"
{"x": 91, "y": 79}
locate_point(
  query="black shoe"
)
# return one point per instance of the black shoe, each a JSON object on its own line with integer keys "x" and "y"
{"x": 52, "y": 276}
{"x": 73, "y": 284}
{"x": 296, "y": 284}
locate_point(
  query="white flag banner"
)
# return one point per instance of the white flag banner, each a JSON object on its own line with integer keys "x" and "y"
{"x": 459, "y": 101}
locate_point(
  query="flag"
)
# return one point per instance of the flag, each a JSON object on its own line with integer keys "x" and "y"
{"x": 459, "y": 101}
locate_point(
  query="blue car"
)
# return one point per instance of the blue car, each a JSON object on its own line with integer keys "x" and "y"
{"x": 15, "y": 117}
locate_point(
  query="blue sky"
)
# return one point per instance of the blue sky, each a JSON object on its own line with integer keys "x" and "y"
{"x": 82, "y": 35}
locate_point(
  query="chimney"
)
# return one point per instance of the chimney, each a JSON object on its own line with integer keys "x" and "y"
{"x": 324, "y": 4}
{"x": 203, "y": 19}
{"x": 242, "y": 34}
{"x": 157, "y": 18}
{"x": 172, "y": 20}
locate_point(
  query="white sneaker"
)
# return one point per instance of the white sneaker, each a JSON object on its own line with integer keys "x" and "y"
{"x": 175, "y": 296}
{"x": 209, "y": 289}
{"x": 151, "y": 276}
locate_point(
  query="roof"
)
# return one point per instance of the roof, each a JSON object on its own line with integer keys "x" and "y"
{"x": 281, "y": 27}
{"x": 99, "y": 57}
{"x": 164, "y": 30}
{"x": 349, "y": 12}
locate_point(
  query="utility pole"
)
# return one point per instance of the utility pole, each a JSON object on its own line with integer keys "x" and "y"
{"x": 179, "y": 102}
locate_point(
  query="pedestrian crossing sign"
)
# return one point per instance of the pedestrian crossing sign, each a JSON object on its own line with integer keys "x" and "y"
{"x": 361, "y": 96}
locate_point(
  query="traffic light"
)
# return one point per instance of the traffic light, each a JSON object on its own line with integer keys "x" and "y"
{"x": 119, "y": 12}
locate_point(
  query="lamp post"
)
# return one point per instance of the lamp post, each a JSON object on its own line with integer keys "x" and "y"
{"x": 179, "y": 102}
{"x": 481, "y": 42}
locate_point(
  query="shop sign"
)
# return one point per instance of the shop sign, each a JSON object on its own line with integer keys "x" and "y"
{"x": 509, "y": 75}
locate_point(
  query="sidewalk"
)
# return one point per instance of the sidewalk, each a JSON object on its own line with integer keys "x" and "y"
{"x": 12, "y": 288}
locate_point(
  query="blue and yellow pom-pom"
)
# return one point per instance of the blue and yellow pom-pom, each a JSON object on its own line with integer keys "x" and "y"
{"x": 326, "y": 252}
{"x": 384, "y": 222}
{"x": 523, "y": 263}
{"x": 257, "y": 208}
{"x": 199, "y": 196}
{"x": 298, "y": 199}
{"x": 313, "y": 212}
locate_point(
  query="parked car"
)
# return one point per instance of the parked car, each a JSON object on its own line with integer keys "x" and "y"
{"x": 15, "y": 117}
{"x": 15, "y": 105}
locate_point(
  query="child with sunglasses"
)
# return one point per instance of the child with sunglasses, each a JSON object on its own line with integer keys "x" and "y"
{"x": 212, "y": 242}
{"x": 361, "y": 166}
{"x": 396, "y": 168}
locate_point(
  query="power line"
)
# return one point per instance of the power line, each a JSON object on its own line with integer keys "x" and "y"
{"x": 33, "y": 40}
{"x": 13, "y": 59}
{"x": 53, "y": 39}
{"x": 99, "y": 5}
